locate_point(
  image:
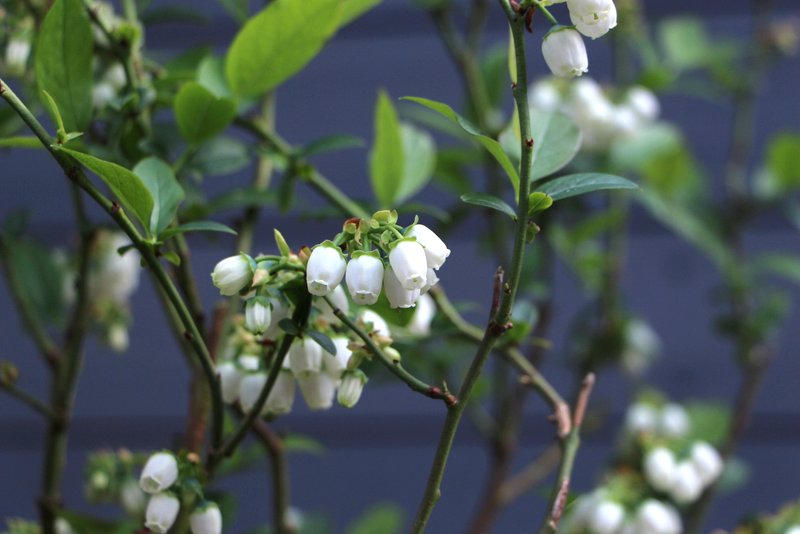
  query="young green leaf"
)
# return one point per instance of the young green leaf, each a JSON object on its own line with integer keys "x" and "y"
{"x": 488, "y": 143}
{"x": 63, "y": 61}
{"x": 538, "y": 201}
{"x": 488, "y": 201}
{"x": 330, "y": 143}
{"x": 323, "y": 340}
{"x": 55, "y": 114}
{"x": 126, "y": 186}
{"x": 419, "y": 161}
{"x": 386, "y": 156}
{"x": 385, "y": 518}
{"x": 582, "y": 183}
{"x": 196, "y": 226}
{"x": 283, "y": 246}
{"x": 200, "y": 114}
{"x": 278, "y": 42}
{"x": 167, "y": 193}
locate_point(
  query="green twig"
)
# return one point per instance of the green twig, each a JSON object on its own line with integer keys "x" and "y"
{"x": 29, "y": 400}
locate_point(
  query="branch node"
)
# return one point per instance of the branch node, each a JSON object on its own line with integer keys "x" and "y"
{"x": 2, "y": 88}
{"x": 114, "y": 208}
{"x": 560, "y": 503}
{"x": 529, "y": 143}
{"x": 583, "y": 399}
{"x": 498, "y": 284}
{"x": 187, "y": 335}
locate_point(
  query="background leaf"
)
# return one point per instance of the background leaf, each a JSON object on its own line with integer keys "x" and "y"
{"x": 167, "y": 193}
{"x": 197, "y": 226}
{"x": 383, "y": 518}
{"x": 63, "y": 61}
{"x": 278, "y": 42}
{"x": 489, "y": 201}
{"x": 126, "y": 186}
{"x": 323, "y": 340}
{"x": 200, "y": 114}
{"x": 582, "y": 183}
{"x": 386, "y": 156}
{"x": 419, "y": 161}
{"x": 556, "y": 140}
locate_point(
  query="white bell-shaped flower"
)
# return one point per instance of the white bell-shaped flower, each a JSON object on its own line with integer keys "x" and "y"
{"x": 318, "y": 390}
{"x": 593, "y": 18}
{"x": 351, "y": 388}
{"x": 656, "y": 517}
{"x": 430, "y": 280}
{"x": 305, "y": 357}
{"x": 436, "y": 252}
{"x": 159, "y": 472}
{"x": 641, "y": 418}
{"x": 378, "y": 324}
{"x": 643, "y": 102}
{"x": 425, "y": 311}
{"x": 409, "y": 263}
{"x": 325, "y": 269}
{"x": 230, "y": 380}
{"x": 674, "y": 421}
{"x": 132, "y": 499}
{"x": 606, "y": 518}
{"x": 115, "y": 277}
{"x": 544, "y": 95}
{"x": 257, "y": 315}
{"x": 339, "y": 299}
{"x": 399, "y": 296}
{"x": 281, "y": 399}
{"x": 233, "y": 274}
{"x": 687, "y": 485}
{"x": 206, "y": 520}
{"x": 161, "y": 512}
{"x": 250, "y": 389}
{"x": 707, "y": 462}
{"x": 335, "y": 364}
{"x": 364, "y": 277}
{"x": 565, "y": 53}
{"x": 280, "y": 310}
{"x": 660, "y": 468}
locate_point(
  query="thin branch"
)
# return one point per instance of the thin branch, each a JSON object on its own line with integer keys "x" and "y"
{"x": 532, "y": 474}
{"x": 29, "y": 400}
{"x": 280, "y": 475}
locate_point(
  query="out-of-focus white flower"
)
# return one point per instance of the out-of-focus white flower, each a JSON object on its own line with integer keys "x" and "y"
{"x": 62, "y": 526}
{"x": 707, "y": 462}
{"x": 318, "y": 390}
{"x": 132, "y": 499}
{"x": 250, "y": 389}
{"x": 249, "y": 362}
{"x": 117, "y": 337}
{"x": 159, "y": 473}
{"x": 305, "y": 357}
{"x": 643, "y": 102}
{"x": 430, "y": 280}
{"x": 17, "y": 52}
{"x": 379, "y": 325}
{"x": 674, "y": 421}
{"x": 642, "y": 346}
{"x": 409, "y": 264}
{"x": 162, "y": 510}
{"x": 281, "y": 399}
{"x": 364, "y": 277}
{"x": 641, "y": 418}
{"x": 624, "y": 121}
{"x": 795, "y": 529}
{"x": 593, "y": 113}
{"x": 114, "y": 277}
{"x": 206, "y": 520}
{"x": 687, "y": 485}
{"x": 233, "y": 274}
{"x": 424, "y": 313}
{"x": 325, "y": 269}
{"x": 565, "y": 53}
{"x": 656, "y": 517}
{"x": 398, "y": 296}
{"x": 257, "y": 315}
{"x": 339, "y": 298}
{"x": 545, "y": 95}
{"x": 351, "y": 387}
{"x": 335, "y": 364}
{"x": 230, "y": 381}
{"x": 606, "y": 518}
{"x": 280, "y": 310}
{"x": 660, "y": 468}
{"x": 436, "y": 252}
{"x": 593, "y": 18}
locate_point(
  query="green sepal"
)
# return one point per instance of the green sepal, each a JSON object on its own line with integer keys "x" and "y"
{"x": 385, "y": 216}
{"x": 358, "y": 253}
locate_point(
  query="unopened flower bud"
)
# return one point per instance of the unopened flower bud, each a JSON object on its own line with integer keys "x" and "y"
{"x": 159, "y": 473}
{"x": 257, "y": 315}
{"x": 687, "y": 485}
{"x": 424, "y": 313}
{"x": 707, "y": 462}
{"x": 364, "y": 277}
{"x": 565, "y": 53}
{"x": 659, "y": 468}
{"x": 325, "y": 269}
{"x": 305, "y": 357}
{"x": 656, "y": 517}
{"x": 409, "y": 263}
{"x": 351, "y": 387}
{"x": 206, "y": 520}
{"x": 393, "y": 354}
{"x": 674, "y": 421}
{"x": 398, "y": 296}
{"x": 233, "y": 274}
{"x": 607, "y": 518}
{"x": 593, "y": 18}
{"x": 162, "y": 510}
{"x": 377, "y": 323}
{"x": 436, "y": 252}
{"x": 318, "y": 390}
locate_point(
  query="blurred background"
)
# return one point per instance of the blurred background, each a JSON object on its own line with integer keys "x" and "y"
{"x": 380, "y": 450}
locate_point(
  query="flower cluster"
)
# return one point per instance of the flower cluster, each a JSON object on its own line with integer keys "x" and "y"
{"x": 563, "y": 48}
{"x": 604, "y": 116}
{"x": 159, "y": 476}
{"x": 110, "y": 479}
{"x": 599, "y": 513}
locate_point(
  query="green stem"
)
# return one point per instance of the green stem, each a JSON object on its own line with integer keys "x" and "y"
{"x": 396, "y": 369}
{"x": 280, "y": 475}
{"x": 29, "y": 400}
{"x": 546, "y": 12}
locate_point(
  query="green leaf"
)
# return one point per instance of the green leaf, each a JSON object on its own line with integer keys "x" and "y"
{"x": 220, "y": 156}
{"x": 63, "y": 61}
{"x": 21, "y": 142}
{"x": 238, "y": 9}
{"x": 278, "y": 42}
{"x": 710, "y": 421}
{"x": 323, "y": 340}
{"x": 211, "y": 75}
{"x": 126, "y": 186}
{"x": 685, "y": 42}
{"x": 784, "y": 265}
{"x": 197, "y": 226}
{"x": 783, "y": 161}
{"x": 488, "y": 143}
{"x": 556, "y": 140}
{"x": 330, "y": 143}
{"x": 489, "y": 201}
{"x": 167, "y": 193}
{"x": 200, "y": 114}
{"x": 302, "y": 443}
{"x": 582, "y": 183}
{"x": 354, "y": 9}
{"x": 385, "y": 518}
{"x": 41, "y": 276}
{"x": 538, "y": 201}
{"x": 386, "y": 156}
{"x": 419, "y": 161}
{"x": 289, "y": 326}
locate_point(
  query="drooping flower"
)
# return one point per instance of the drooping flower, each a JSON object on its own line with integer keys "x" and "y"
{"x": 565, "y": 53}
{"x": 399, "y": 296}
{"x": 335, "y": 364}
{"x": 325, "y": 269}
{"x": 436, "y": 252}
{"x": 687, "y": 485}
{"x": 674, "y": 421}
{"x": 162, "y": 510}
{"x": 351, "y": 388}
{"x": 424, "y": 313}
{"x": 606, "y": 518}
{"x": 656, "y": 517}
{"x": 281, "y": 399}
{"x": 305, "y": 357}
{"x": 206, "y": 519}
{"x": 364, "y": 277}
{"x": 318, "y": 390}
{"x": 409, "y": 263}
{"x": 707, "y": 462}
{"x": 593, "y": 18}
{"x": 257, "y": 315}
{"x": 379, "y": 325}
{"x": 233, "y": 274}
{"x": 660, "y": 468}
{"x": 159, "y": 473}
